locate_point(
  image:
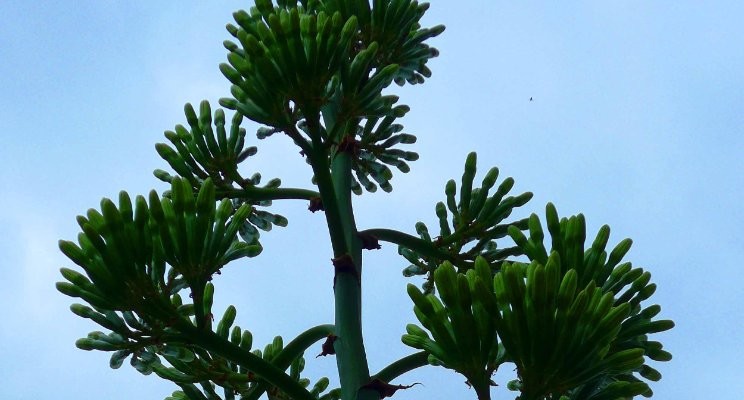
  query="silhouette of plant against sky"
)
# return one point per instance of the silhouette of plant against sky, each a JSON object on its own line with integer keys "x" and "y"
{"x": 536, "y": 293}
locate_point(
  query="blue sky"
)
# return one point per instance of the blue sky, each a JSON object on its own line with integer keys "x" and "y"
{"x": 637, "y": 121}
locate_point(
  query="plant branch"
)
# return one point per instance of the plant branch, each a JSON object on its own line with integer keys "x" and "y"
{"x": 258, "y": 193}
{"x": 412, "y": 242}
{"x": 401, "y": 366}
{"x": 301, "y": 343}
{"x": 291, "y": 352}
{"x": 264, "y": 369}
{"x": 296, "y": 136}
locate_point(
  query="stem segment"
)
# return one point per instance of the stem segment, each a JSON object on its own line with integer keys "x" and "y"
{"x": 410, "y": 241}
{"x": 334, "y": 185}
{"x": 400, "y": 367}
{"x": 351, "y": 357}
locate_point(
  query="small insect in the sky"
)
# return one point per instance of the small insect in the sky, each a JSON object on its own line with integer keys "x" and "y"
{"x": 530, "y": 98}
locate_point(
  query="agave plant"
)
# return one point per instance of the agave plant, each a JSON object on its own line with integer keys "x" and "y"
{"x": 570, "y": 319}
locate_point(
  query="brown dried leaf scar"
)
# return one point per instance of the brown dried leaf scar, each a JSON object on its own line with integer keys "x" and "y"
{"x": 385, "y": 389}
{"x": 327, "y": 347}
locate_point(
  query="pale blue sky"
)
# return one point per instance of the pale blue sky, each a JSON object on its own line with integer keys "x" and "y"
{"x": 637, "y": 121}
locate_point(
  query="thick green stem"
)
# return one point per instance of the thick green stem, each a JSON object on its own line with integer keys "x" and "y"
{"x": 400, "y": 367}
{"x": 334, "y": 185}
{"x": 351, "y": 357}
{"x": 213, "y": 343}
{"x": 330, "y": 204}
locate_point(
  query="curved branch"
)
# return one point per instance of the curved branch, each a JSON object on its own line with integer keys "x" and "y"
{"x": 302, "y": 342}
{"x": 400, "y": 367}
{"x": 214, "y": 343}
{"x": 291, "y": 352}
{"x": 296, "y": 136}
{"x": 258, "y": 193}
{"x": 412, "y": 242}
